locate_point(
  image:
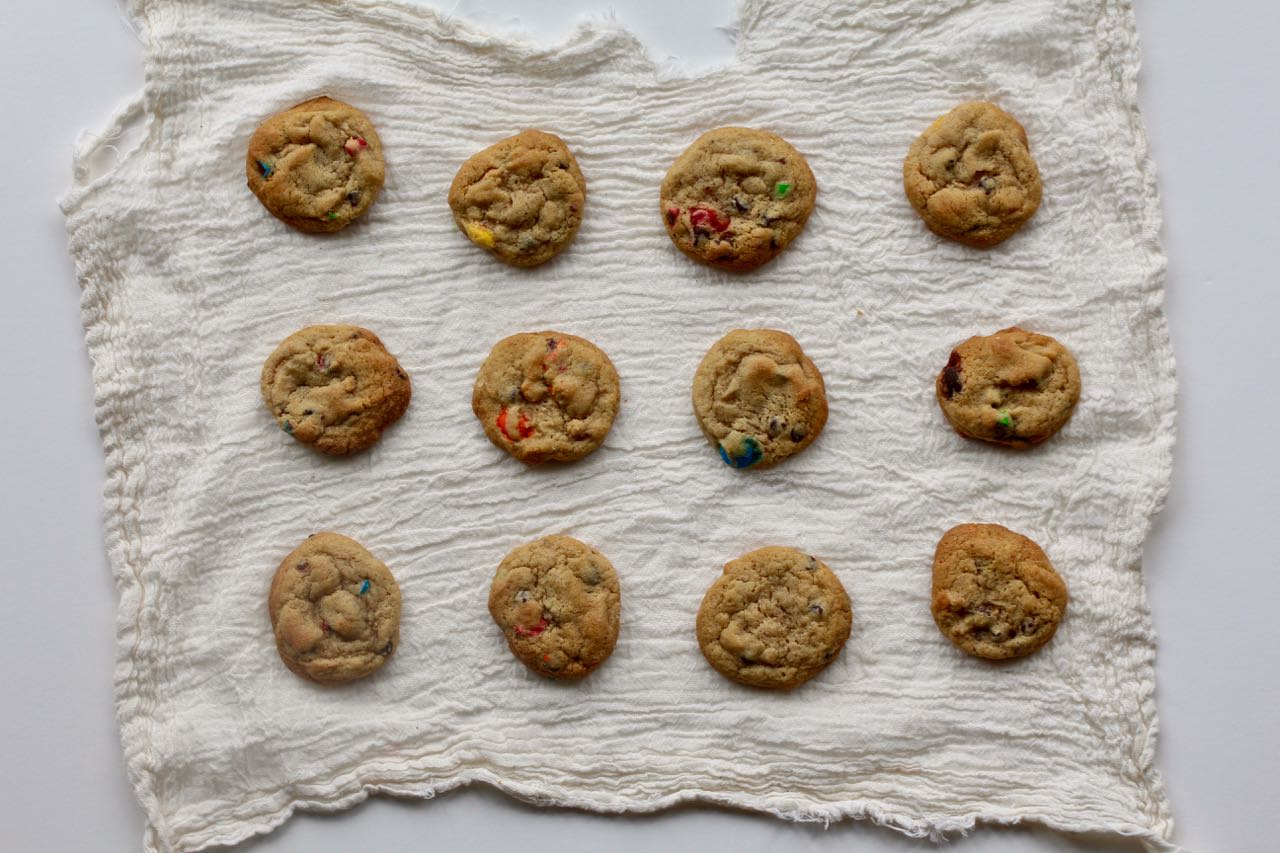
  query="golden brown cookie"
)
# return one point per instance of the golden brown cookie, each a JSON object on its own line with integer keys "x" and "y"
{"x": 546, "y": 396}
{"x": 737, "y": 197}
{"x": 995, "y": 593}
{"x": 775, "y": 618}
{"x": 335, "y": 610}
{"x": 758, "y": 397}
{"x": 521, "y": 198}
{"x": 316, "y": 166}
{"x": 335, "y": 388}
{"x": 1014, "y": 387}
{"x": 971, "y": 176}
{"x": 557, "y": 601}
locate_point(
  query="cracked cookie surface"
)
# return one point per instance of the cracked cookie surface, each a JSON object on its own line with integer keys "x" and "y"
{"x": 737, "y": 197}
{"x": 335, "y": 610}
{"x": 758, "y": 397}
{"x": 1014, "y": 387}
{"x": 544, "y": 396}
{"x": 995, "y": 593}
{"x": 335, "y": 388}
{"x": 521, "y": 198}
{"x": 775, "y": 618}
{"x": 557, "y": 603}
{"x": 971, "y": 176}
{"x": 316, "y": 166}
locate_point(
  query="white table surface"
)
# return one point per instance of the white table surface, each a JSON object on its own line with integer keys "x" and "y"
{"x": 1210, "y": 95}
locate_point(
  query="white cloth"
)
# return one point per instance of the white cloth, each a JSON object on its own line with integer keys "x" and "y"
{"x": 188, "y": 284}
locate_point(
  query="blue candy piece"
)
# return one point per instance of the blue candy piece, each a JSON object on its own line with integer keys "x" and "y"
{"x": 266, "y": 169}
{"x": 364, "y": 586}
{"x": 751, "y": 454}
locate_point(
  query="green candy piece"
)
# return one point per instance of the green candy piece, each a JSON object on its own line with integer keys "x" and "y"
{"x": 332, "y": 215}
{"x": 1005, "y": 418}
{"x": 781, "y": 188}
{"x": 287, "y": 427}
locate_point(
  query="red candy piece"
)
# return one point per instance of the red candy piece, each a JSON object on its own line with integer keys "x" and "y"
{"x": 535, "y": 630}
{"x": 354, "y": 144}
{"x": 322, "y": 363}
{"x": 673, "y": 213}
{"x": 523, "y": 427}
{"x": 706, "y": 219}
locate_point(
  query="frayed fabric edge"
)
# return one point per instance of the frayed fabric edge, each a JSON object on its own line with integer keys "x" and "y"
{"x": 243, "y": 827}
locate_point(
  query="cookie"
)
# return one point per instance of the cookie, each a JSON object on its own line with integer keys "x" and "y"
{"x": 971, "y": 176}
{"x": 758, "y": 397}
{"x": 316, "y": 166}
{"x": 335, "y": 610}
{"x": 546, "y": 396}
{"x": 737, "y": 197}
{"x": 775, "y": 618}
{"x": 556, "y": 601}
{"x": 1015, "y": 387}
{"x": 335, "y": 388}
{"x": 521, "y": 198}
{"x": 995, "y": 593}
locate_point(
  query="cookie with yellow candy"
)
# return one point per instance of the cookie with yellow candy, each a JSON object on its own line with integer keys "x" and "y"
{"x": 521, "y": 198}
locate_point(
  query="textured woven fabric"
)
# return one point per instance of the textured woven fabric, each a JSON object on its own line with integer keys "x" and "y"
{"x": 188, "y": 284}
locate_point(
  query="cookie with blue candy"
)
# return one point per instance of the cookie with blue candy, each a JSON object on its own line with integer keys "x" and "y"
{"x": 758, "y": 397}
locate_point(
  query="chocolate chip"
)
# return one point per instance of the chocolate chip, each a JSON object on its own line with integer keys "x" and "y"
{"x": 353, "y": 198}
{"x": 523, "y": 596}
{"x": 798, "y": 432}
{"x": 951, "y": 382}
{"x": 385, "y": 650}
{"x": 812, "y": 565}
{"x": 551, "y": 344}
{"x": 1028, "y": 625}
{"x": 741, "y": 203}
{"x": 400, "y": 373}
{"x": 815, "y": 608}
{"x": 306, "y": 411}
{"x": 775, "y": 427}
{"x": 988, "y": 184}
{"x": 304, "y": 566}
{"x": 773, "y": 241}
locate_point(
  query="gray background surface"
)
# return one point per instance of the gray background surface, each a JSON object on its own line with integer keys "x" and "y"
{"x": 1209, "y": 93}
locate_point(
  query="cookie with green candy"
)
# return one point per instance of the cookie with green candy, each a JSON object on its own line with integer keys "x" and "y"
{"x": 1015, "y": 387}
{"x": 737, "y": 197}
{"x": 758, "y": 397}
{"x": 316, "y": 166}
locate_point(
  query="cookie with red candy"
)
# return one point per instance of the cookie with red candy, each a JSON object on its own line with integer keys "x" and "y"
{"x": 557, "y": 603}
{"x": 546, "y": 396}
{"x": 737, "y": 197}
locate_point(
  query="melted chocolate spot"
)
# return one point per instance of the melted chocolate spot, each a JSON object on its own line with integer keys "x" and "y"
{"x": 951, "y": 382}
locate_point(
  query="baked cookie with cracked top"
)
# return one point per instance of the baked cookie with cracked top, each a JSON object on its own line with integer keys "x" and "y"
{"x": 335, "y": 610}
{"x": 758, "y": 397}
{"x": 737, "y": 197}
{"x": 1015, "y": 387}
{"x": 971, "y": 176}
{"x": 316, "y": 166}
{"x": 521, "y": 198}
{"x": 557, "y": 603}
{"x": 775, "y": 618}
{"x": 546, "y": 396}
{"x": 335, "y": 387}
{"x": 995, "y": 593}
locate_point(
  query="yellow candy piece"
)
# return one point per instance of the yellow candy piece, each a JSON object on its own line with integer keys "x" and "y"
{"x": 479, "y": 234}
